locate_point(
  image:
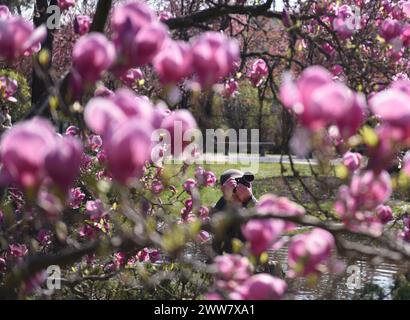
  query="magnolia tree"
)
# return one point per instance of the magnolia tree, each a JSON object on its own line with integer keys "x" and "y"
{"x": 90, "y": 205}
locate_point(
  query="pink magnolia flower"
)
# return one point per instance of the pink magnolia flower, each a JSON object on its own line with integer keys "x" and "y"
{"x": 120, "y": 259}
{"x": 95, "y": 209}
{"x": 189, "y": 185}
{"x": 18, "y": 250}
{"x": 18, "y": 37}
{"x": 8, "y": 88}
{"x": 147, "y": 254}
{"x": 405, "y": 35}
{"x": 147, "y": 43}
{"x": 127, "y": 22}
{"x": 1, "y": 217}
{"x": 258, "y": 71}
{"x": 384, "y": 213}
{"x": 365, "y": 193}
{"x": 127, "y": 149}
{"x": 203, "y": 213}
{"x": 95, "y": 142}
{"x": 233, "y": 267}
{"x": 101, "y": 115}
{"x": 262, "y": 234}
{"x": 133, "y": 105}
{"x": 344, "y": 23}
{"x": 102, "y": 157}
{"x": 173, "y": 62}
{"x": 214, "y": 57}
{"x": 131, "y": 17}
{"x": 44, "y": 237}
{"x": 92, "y": 55}
{"x": 131, "y": 76}
{"x": 23, "y": 150}
{"x": 62, "y": 163}
{"x": 309, "y": 98}
{"x": 209, "y": 179}
{"x": 231, "y": 88}
{"x": 371, "y": 189}
{"x": 262, "y": 287}
{"x": 72, "y": 131}
{"x": 352, "y": 160}
{"x": 390, "y": 29}
{"x": 76, "y": 197}
{"x": 82, "y": 24}
{"x": 309, "y": 250}
{"x": 157, "y": 186}
{"x": 177, "y": 124}
{"x": 66, "y": 4}
{"x": 392, "y": 107}
{"x": 282, "y": 206}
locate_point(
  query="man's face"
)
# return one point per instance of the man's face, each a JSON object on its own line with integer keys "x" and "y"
{"x": 243, "y": 193}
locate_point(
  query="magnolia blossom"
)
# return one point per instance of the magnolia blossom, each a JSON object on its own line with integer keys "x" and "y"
{"x": 127, "y": 149}
{"x": 63, "y": 162}
{"x": 214, "y": 57}
{"x": 392, "y": 107}
{"x": 345, "y": 22}
{"x": 138, "y": 36}
{"x": 66, "y": 4}
{"x": 156, "y": 186}
{"x": 131, "y": 76}
{"x": 173, "y": 62}
{"x": 95, "y": 142}
{"x": 308, "y": 251}
{"x": 18, "y": 250}
{"x": 92, "y": 55}
{"x": 390, "y": 29}
{"x": 319, "y": 102}
{"x": 8, "y": 88}
{"x": 233, "y": 267}
{"x": 384, "y": 213}
{"x": 177, "y": 124}
{"x": 23, "y": 151}
{"x": 72, "y": 131}
{"x": 76, "y": 197}
{"x": 261, "y": 287}
{"x": 231, "y": 88}
{"x": 262, "y": 234}
{"x": 352, "y": 160}
{"x": 189, "y": 185}
{"x": 18, "y": 37}
{"x": 82, "y": 24}
{"x": 258, "y": 71}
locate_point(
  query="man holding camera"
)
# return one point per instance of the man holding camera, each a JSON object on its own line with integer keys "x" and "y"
{"x": 236, "y": 188}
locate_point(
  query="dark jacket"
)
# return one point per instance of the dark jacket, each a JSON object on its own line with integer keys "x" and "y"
{"x": 223, "y": 242}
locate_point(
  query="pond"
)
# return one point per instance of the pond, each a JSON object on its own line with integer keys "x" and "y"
{"x": 337, "y": 286}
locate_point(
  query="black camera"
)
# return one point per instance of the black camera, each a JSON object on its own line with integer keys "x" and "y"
{"x": 246, "y": 180}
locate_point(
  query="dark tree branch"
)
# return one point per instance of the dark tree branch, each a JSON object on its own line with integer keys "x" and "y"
{"x": 220, "y": 11}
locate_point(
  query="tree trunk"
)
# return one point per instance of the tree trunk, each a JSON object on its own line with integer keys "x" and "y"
{"x": 41, "y": 77}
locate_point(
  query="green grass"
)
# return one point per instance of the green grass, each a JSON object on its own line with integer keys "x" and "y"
{"x": 268, "y": 178}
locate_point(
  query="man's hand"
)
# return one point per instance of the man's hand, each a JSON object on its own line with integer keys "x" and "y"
{"x": 228, "y": 187}
{"x": 243, "y": 193}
